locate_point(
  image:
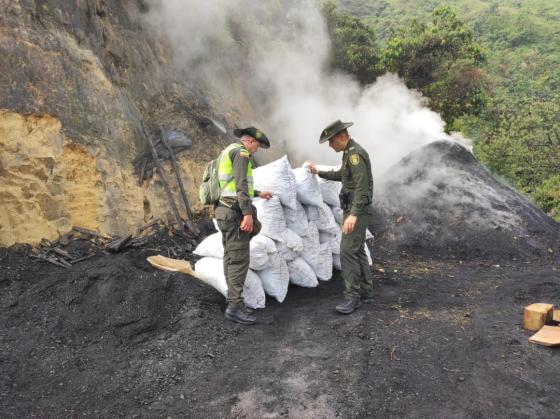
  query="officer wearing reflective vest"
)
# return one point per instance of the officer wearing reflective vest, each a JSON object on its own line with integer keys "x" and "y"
{"x": 356, "y": 201}
{"x": 237, "y": 217}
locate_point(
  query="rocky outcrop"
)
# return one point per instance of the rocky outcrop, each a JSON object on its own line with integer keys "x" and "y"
{"x": 77, "y": 78}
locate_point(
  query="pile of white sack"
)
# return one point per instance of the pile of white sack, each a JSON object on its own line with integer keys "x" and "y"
{"x": 299, "y": 242}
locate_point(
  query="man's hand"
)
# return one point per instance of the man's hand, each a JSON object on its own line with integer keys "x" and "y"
{"x": 311, "y": 166}
{"x": 247, "y": 223}
{"x": 349, "y": 224}
{"x": 265, "y": 195}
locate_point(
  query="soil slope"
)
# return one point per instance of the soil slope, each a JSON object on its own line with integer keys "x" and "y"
{"x": 112, "y": 337}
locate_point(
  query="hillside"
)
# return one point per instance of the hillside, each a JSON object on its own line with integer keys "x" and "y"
{"x": 517, "y": 134}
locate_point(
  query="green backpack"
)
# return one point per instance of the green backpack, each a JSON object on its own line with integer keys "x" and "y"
{"x": 209, "y": 190}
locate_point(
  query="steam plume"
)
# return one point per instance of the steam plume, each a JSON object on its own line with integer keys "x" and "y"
{"x": 275, "y": 53}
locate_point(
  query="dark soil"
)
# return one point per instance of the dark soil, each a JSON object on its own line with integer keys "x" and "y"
{"x": 112, "y": 337}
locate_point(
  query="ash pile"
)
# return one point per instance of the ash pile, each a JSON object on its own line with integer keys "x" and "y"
{"x": 440, "y": 201}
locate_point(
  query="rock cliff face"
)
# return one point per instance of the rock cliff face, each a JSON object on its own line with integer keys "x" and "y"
{"x": 77, "y": 77}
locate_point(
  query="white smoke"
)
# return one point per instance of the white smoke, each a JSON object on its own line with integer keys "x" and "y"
{"x": 278, "y": 51}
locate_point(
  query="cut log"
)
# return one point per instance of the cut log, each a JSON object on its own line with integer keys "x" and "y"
{"x": 556, "y": 315}
{"x": 119, "y": 244}
{"x": 535, "y": 316}
{"x": 547, "y": 336}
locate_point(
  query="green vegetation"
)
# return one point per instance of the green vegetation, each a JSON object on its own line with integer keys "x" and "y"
{"x": 491, "y": 68}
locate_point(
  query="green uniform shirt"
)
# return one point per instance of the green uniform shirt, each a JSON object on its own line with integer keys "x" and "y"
{"x": 356, "y": 177}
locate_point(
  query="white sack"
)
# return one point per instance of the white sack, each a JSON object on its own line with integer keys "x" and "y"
{"x": 326, "y": 221}
{"x": 311, "y": 246}
{"x": 307, "y": 187}
{"x": 253, "y": 292}
{"x": 336, "y": 261}
{"x": 302, "y": 274}
{"x": 260, "y": 247}
{"x": 271, "y": 216}
{"x": 296, "y": 220}
{"x": 370, "y": 262}
{"x": 211, "y": 271}
{"x": 292, "y": 247}
{"x": 368, "y": 234}
{"x": 332, "y": 239}
{"x": 211, "y": 246}
{"x": 275, "y": 280}
{"x": 216, "y": 225}
{"x": 338, "y": 214}
{"x": 330, "y": 189}
{"x": 312, "y": 212}
{"x": 277, "y": 177}
{"x": 324, "y": 266}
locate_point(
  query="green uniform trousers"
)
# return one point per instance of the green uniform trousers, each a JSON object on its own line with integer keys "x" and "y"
{"x": 236, "y": 254}
{"x": 356, "y": 272}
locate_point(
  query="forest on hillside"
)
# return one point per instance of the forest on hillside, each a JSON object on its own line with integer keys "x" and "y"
{"x": 491, "y": 68}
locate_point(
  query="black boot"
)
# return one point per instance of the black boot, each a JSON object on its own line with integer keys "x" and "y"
{"x": 366, "y": 299}
{"x": 239, "y": 315}
{"x": 249, "y": 310}
{"x": 348, "y": 306}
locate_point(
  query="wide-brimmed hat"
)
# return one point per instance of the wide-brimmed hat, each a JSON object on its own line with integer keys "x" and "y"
{"x": 332, "y": 129}
{"x": 256, "y": 133}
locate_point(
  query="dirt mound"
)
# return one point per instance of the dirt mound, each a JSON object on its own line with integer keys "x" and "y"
{"x": 440, "y": 200}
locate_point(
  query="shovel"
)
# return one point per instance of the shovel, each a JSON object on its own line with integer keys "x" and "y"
{"x": 172, "y": 265}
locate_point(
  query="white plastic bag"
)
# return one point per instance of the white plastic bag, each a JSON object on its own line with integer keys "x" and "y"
{"x": 276, "y": 278}
{"x": 307, "y": 187}
{"x": 324, "y": 266}
{"x": 332, "y": 239}
{"x": 302, "y": 274}
{"x": 370, "y": 262}
{"x": 330, "y": 189}
{"x": 211, "y": 271}
{"x": 338, "y": 214}
{"x": 292, "y": 247}
{"x": 277, "y": 177}
{"x": 271, "y": 216}
{"x": 324, "y": 218}
{"x": 296, "y": 220}
{"x": 211, "y": 246}
{"x": 260, "y": 247}
{"x": 311, "y": 246}
{"x": 336, "y": 261}
{"x": 253, "y": 292}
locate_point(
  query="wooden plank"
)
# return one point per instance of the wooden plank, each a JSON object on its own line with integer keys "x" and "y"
{"x": 535, "y": 316}
{"x": 547, "y": 336}
{"x": 556, "y": 315}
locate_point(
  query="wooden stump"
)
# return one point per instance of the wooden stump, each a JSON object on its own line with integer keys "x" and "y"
{"x": 537, "y": 315}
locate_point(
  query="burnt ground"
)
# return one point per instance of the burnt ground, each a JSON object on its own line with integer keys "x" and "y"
{"x": 112, "y": 337}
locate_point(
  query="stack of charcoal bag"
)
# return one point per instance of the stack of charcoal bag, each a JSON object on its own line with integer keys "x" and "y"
{"x": 299, "y": 242}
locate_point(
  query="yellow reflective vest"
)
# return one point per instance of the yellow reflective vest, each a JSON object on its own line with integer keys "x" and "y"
{"x": 225, "y": 173}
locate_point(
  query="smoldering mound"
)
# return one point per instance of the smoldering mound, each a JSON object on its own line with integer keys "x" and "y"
{"x": 440, "y": 200}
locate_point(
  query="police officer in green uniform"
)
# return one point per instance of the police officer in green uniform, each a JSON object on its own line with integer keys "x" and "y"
{"x": 237, "y": 217}
{"x": 355, "y": 199}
